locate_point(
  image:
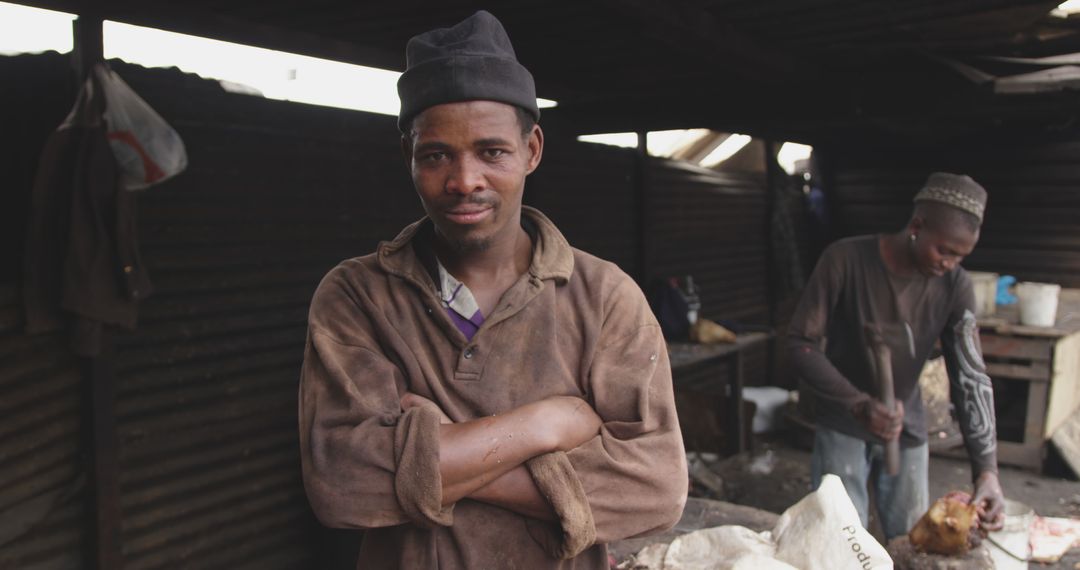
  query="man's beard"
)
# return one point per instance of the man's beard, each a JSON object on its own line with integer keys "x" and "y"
{"x": 462, "y": 243}
{"x": 467, "y": 245}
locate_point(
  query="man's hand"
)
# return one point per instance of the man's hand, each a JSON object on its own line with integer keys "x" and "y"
{"x": 878, "y": 419}
{"x": 989, "y": 501}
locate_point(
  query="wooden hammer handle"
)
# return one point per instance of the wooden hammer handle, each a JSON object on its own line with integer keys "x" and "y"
{"x": 888, "y": 397}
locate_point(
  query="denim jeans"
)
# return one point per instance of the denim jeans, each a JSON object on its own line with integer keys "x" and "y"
{"x": 901, "y": 500}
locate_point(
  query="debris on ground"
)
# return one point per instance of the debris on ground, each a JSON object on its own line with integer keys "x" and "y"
{"x": 763, "y": 464}
{"x": 906, "y": 557}
{"x": 706, "y": 482}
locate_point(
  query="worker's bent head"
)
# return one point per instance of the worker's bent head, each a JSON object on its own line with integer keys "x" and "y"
{"x": 945, "y": 224}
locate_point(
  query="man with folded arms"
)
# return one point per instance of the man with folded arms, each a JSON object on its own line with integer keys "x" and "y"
{"x": 477, "y": 393}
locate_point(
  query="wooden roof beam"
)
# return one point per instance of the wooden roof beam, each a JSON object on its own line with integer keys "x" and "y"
{"x": 683, "y": 26}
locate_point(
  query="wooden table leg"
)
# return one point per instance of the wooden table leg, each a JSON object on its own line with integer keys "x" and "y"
{"x": 736, "y": 437}
{"x": 1035, "y": 423}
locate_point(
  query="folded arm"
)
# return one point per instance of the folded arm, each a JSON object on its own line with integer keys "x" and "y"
{"x": 483, "y": 459}
{"x": 631, "y": 479}
{"x": 366, "y": 463}
{"x": 516, "y": 491}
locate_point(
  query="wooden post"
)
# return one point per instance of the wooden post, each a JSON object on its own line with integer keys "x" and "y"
{"x": 644, "y": 225}
{"x": 771, "y": 186}
{"x": 770, "y": 257}
{"x": 100, "y": 443}
{"x": 100, "y": 460}
{"x": 88, "y": 44}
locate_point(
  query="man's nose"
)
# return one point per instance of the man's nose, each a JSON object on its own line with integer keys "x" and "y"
{"x": 465, "y": 176}
{"x": 951, "y": 263}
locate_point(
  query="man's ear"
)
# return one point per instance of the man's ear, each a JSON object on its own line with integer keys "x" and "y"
{"x": 535, "y": 144}
{"x": 406, "y": 149}
{"x": 916, "y": 224}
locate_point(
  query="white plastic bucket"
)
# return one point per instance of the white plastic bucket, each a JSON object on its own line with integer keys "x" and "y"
{"x": 770, "y": 402}
{"x": 1010, "y": 547}
{"x": 1038, "y": 303}
{"x": 985, "y": 285}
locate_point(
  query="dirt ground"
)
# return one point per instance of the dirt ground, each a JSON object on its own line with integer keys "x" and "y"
{"x": 776, "y": 474}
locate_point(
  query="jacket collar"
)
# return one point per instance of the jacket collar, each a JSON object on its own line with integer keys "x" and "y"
{"x": 552, "y": 258}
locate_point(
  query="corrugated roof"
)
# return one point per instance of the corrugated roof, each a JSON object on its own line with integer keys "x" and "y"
{"x": 862, "y": 68}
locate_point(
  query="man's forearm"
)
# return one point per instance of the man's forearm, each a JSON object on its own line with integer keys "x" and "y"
{"x": 972, "y": 393}
{"x": 516, "y": 491}
{"x": 482, "y": 459}
{"x": 475, "y": 454}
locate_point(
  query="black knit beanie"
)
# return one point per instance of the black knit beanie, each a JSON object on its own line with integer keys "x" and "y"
{"x": 470, "y": 61}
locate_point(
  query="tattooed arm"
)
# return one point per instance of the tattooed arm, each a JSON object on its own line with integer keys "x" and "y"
{"x": 973, "y": 397}
{"x": 971, "y": 392}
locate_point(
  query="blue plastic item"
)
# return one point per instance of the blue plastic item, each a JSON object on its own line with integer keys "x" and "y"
{"x": 1004, "y": 297}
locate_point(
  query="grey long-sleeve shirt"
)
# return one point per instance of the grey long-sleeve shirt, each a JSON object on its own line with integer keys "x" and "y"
{"x": 851, "y": 287}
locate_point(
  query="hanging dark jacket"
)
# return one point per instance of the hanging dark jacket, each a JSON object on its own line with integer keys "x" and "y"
{"x": 82, "y": 264}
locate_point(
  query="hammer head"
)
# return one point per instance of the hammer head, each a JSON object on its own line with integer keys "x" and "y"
{"x": 897, "y": 336}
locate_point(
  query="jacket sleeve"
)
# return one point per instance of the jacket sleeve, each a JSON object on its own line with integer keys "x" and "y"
{"x": 365, "y": 462}
{"x": 632, "y": 478}
{"x": 808, "y": 330}
{"x": 970, "y": 389}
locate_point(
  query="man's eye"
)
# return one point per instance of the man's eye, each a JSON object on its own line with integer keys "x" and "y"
{"x": 494, "y": 152}
{"x": 433, "y": 157}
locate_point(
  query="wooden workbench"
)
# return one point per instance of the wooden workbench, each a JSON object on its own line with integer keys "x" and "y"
{"x": 1047, "y": 360}
{"x": 687, "y": 358}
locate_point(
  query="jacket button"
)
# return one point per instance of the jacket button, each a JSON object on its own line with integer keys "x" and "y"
{"x": 468, "y": 352}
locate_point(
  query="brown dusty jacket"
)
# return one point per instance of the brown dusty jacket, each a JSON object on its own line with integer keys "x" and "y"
{"x": 573, "y": 325}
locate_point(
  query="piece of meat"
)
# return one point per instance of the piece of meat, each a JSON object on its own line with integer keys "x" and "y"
{"x": 1052, "y": 537}
{"x": 949, "y": 528}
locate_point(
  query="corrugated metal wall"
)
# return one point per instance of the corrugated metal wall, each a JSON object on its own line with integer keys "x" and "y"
{"x": 40, "y": 450}
{"x": 40, "y": 447}
{"x": 275, "y": 195}
{"x": 588, "y": 191}
{"x": 1032, "y": 227}
{"x": 712, "y": 225}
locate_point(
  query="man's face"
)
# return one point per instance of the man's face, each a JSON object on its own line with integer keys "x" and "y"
{"x": 938, "y": 251}
{"x": 469, "y": 161}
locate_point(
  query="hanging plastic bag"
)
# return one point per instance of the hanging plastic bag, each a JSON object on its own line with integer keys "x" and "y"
{"x": 146, "y": 148}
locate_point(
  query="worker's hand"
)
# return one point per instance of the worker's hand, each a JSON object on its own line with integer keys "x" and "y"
{"x": 410, "y": 400}
{"x": 989, "y": 501}
{"x": 879, "y": 420}
{"x": 570, "y": 421}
